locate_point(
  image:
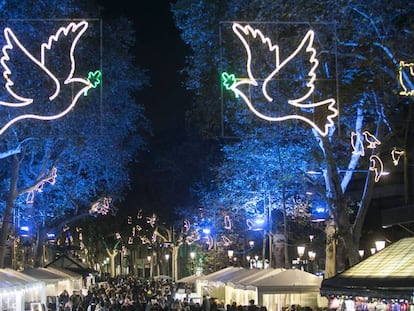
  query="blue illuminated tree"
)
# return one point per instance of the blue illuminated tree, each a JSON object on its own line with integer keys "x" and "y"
{"x": 361, "y": 47}
{"x": 93, "y": 146}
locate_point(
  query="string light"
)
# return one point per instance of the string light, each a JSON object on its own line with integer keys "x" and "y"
{"x": 306, "y": 43}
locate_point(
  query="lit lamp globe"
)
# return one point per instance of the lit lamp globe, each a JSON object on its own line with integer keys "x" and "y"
{"x": 301, "y": 251}
{"x": 311, "y": 255}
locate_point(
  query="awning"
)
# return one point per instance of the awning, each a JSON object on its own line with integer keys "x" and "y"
{"x": 388, "y": 273}
{"x": 289, "y": 281}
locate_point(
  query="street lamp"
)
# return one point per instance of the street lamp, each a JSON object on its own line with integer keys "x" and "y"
{"x": 192, "y": 256}
{"x": 167, "y": 257}
{"x": 301, "y": 251}
{"x": 311, "y": 256}
{"x": 149, "y": 259}
{"x": 361, "y": 253}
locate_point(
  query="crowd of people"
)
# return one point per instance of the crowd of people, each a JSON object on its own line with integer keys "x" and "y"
{"x": 134, "y": 294}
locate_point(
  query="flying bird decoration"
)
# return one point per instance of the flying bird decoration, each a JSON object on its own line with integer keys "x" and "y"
{"x": 396, "y": 155}
{"x": 52, "y": 52}
{"x": 376, "y": 166}
{"x": 248, "y": 34}
{"x": 406, "y": 73}
{"x": 358, "y": 139}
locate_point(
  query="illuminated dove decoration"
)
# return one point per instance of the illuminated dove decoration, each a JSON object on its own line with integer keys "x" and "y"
{"x": 406, "y": 70}
{"x": 43, "y": 66}
{"x": 376, "y": 166}
{"x": 357, "y": 142}
{"x": 396, "y": 155}
{"x": 246, "y": 34}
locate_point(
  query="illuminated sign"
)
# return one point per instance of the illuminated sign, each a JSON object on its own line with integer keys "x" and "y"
{"x": 247, "y": 33}
{"x": 74, "y": 31}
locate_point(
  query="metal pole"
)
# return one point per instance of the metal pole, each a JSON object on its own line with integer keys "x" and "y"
{"x": 269, "y": 221}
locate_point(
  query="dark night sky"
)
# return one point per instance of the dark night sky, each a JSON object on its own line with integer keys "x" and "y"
{"x": 161, "y": 52}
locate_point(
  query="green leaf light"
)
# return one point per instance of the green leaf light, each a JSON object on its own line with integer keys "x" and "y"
{"x": 94, "y": 78}
{"x": 228, "y": 80}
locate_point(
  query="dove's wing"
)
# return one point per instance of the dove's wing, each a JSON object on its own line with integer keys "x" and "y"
{"x": 11, "y": 43}
{"x": 307, "y": 45}
{"x": 73, "y": 29}
{"x": 246, "y": 34}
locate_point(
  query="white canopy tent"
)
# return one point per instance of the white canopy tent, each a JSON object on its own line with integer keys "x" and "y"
{"x": 272, "y": 288}
{"x": 290, "y": 287}
{"x": 240, "y": 290}
{"x": 18, "y": 291}
{"x": 56, "y": 280}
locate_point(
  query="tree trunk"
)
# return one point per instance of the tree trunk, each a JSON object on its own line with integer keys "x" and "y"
{"x": 7, "y": 219}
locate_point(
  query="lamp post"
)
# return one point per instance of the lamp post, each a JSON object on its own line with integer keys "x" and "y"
{"x": 149, "y": 259}
{"x": 167, "y": 258}
{"x": 192, "y": 256}
{"x": 311, "y": 256}
{"x": 230, "y": 254}
{"x": 301, "y": 252}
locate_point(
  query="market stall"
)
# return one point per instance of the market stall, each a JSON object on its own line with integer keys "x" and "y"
{"x": 387, "y": 274}
{"x": 19, "y": 291}
{"x": 290, "y": 287}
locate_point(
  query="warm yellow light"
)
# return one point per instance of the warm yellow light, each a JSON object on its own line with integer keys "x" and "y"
{"x": 311, "y": 255}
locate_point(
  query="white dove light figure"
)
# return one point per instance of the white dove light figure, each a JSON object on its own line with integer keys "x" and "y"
{"x": 376, "y": 166}
{"x": 12, "y": 42}
{"x": 244, "y": 31}
{"x": 407, "y": 70}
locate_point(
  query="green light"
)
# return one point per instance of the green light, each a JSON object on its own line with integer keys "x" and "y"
{"x": 94, "y": 78}
{"x": 228, "y": 80}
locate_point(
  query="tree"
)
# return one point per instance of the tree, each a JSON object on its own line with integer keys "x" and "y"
{"x": 360, "y": 46}
{"x": 88, "y": 152}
